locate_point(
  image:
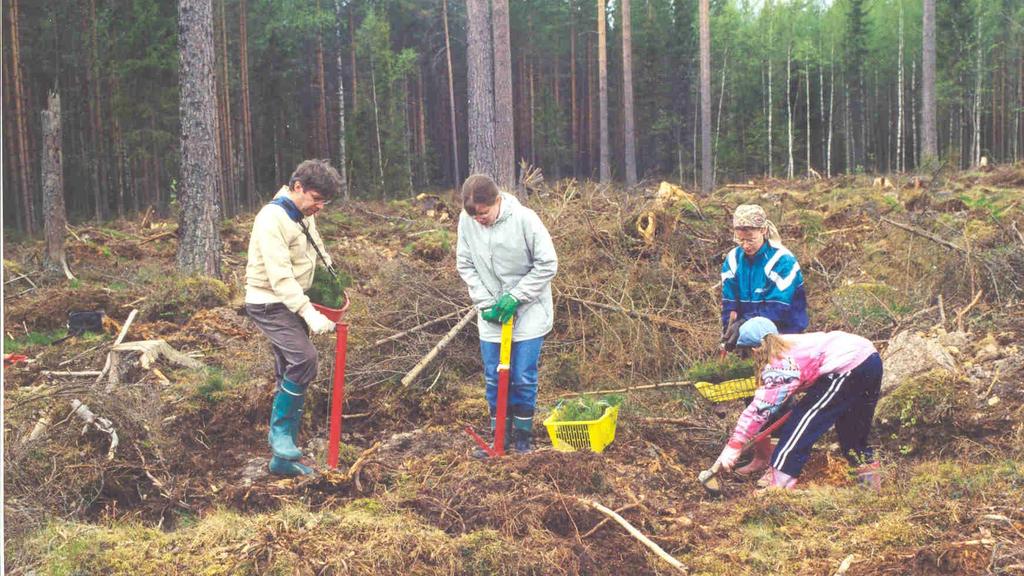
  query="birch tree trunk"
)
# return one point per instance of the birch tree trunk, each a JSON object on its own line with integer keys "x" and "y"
{"x": 831, "y": 123}
{"x": 342, "y": 158}
{"x": 807, "y": 76}
{"x": 456, "y": 179}
{"x": 480, "y": 64}
{"x": 706, "y": 169}
{"x": 199, "y": 246}
{"x": 376, "y": 126}
{"x": 913, "y": 133}
{"x": 769, "y": 105}
{"x": 976, "y": 140}
{"x": 718, "y": 120}
{"x": 602, "y": 80}
{"x": 54, "y": 217}
{"x": 627, "y": 94}
{"x": 789, "y": 114}
{"x": 929, "y": 133}
{"x": 504, "y": 131}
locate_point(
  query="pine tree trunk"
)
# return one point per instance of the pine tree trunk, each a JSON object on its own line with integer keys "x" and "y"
{"x": 533, "y": 115}
{"x": 422, "y": 123}
{"x": 480, "y": 64}
{"x": 572, "y": 90}
{"x": 504, "y": 134}
{"x": 591, "y": 117}
{"x": 627, "y": 94}
{"x": 976, "y": 141}
{"x": 770, "y": 106}
{"x": 24, "y": 155}
{"x": 352, "y": 57}
{"x": 913, "y": 133}
{"x": 230, "y": 174}
{"x": 199, "y": 246}
{"x": 602, "y": 80}
{"x": 11, "y": 146}
{"x": 706, "y": 169}
{"x": 323, "y": 146}
{"x": 929, "y": 136}
{"x": 342, "y": 158}
{"x": 95, "y": 135}
{"x": 247, "y": 154}
{"x": 456, "y": 177}
{"x": 54, "y": 217}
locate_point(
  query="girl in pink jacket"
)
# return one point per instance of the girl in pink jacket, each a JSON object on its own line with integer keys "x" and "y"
{"x": 840, "y": 375}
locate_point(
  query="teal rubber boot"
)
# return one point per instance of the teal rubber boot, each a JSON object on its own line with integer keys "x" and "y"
{"x": 284, "y": 416}
{"x": 283, "y": 467}
{"x": 522, "y": 431}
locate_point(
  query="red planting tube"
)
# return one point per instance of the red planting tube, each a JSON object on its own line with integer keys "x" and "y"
{"x": 338, "y": 390}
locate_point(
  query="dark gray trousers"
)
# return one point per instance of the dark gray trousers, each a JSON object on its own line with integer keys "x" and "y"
{"x": 294, "y": 353}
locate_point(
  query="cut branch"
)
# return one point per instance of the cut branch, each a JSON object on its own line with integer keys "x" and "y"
{"x": 654, "y": 318}
{"x": 412, "y": 374}
{"x": 635, "y": 533}
{"x": 404, "y": 333}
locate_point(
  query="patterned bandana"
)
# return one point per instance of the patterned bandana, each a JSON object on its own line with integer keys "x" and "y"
{"x": 753, "y": 216}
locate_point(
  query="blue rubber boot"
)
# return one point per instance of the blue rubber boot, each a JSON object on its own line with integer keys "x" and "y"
{"x": 522, "y": 433}
{"x": 284, "y": 416}
{"x": 283, "y": 467}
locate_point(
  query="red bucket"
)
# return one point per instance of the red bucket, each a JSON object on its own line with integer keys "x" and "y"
{"x": 333, "y": 314}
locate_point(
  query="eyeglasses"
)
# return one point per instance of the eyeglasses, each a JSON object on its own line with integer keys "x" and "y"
{"x": 317, "y": 199}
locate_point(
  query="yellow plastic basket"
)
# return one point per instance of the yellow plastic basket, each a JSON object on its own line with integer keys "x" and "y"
{"x": 583, "y": 434}
{"x": 728, "y": 390}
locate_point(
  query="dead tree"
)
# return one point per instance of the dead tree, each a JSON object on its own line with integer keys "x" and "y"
{"x": 54, "y": 217}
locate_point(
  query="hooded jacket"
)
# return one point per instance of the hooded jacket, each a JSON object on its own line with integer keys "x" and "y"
{"x": 281, "y": 259}
{"x": 514, "y": 255}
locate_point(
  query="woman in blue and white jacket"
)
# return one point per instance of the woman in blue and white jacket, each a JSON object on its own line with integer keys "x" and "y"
{"x": 760, "y": 278}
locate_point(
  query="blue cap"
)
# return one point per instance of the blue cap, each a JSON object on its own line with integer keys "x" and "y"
{"x": 754, "y": 330}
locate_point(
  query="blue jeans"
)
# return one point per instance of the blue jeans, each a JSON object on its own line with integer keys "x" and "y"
{"x": 522, "y": 387}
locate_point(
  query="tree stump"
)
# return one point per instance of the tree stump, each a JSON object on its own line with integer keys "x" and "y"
{"x": 126, "y": 357}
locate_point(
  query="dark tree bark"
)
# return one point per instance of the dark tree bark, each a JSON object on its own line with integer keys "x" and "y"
{"x": 198, "y": 233}
{"x": 929, "y": 131}
{"x": 627, "y": 95}
{"x": 54, "y": 217}
{"x": 480, "y": 63}
{"x": 323, "y": 147}
{"x": 28, "y": 211}
{"x": 247, "y": 154}
{"x": 602, "y": 74}
{"x": 707, "y": 173}
{"x": 504, "y": 145}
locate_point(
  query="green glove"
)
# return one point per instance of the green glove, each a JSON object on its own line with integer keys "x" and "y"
{"x": 506, "y": 307}
{"x": 490, "y": 314}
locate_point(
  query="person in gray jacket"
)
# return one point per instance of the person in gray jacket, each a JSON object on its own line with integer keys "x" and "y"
{"x": 507, "y": 259}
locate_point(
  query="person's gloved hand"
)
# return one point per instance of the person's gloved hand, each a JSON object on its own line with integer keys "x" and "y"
{"x": 490, "y": 314}
{"x": 731, "y": 334}
{"x": 317, "y": 322}
{"x": 506, "y": 307}
{"x": 730, "y": 454}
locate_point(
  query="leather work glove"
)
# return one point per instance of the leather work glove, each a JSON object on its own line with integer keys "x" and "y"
{"x": 730, "y": 335}
{"x": 317, "y": 322}
{"x": 506, "y": 307}
{"x": 729, "y": 456}
{"x": 490, "y": 314}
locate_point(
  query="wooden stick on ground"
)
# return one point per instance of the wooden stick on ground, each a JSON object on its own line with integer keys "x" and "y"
{"x": 960, "y": 315}
{"x": 606, "y": 520}
{"x": 635, "y": 533}
{"x": 417, "y": 328}
{"x": 412, "y": 374}
{"x": 655, "y": 318}
{"x": 924, "y": 234}
{"x": 678, "y": 384}
{"x": 120, "y": 337}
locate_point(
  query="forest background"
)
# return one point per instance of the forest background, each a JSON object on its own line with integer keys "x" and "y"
{"x": 797, "y": 88}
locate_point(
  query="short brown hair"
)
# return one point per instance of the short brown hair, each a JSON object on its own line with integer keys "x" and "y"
{"x": 317, "y": 175}
{"x": 478, "y": 190}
